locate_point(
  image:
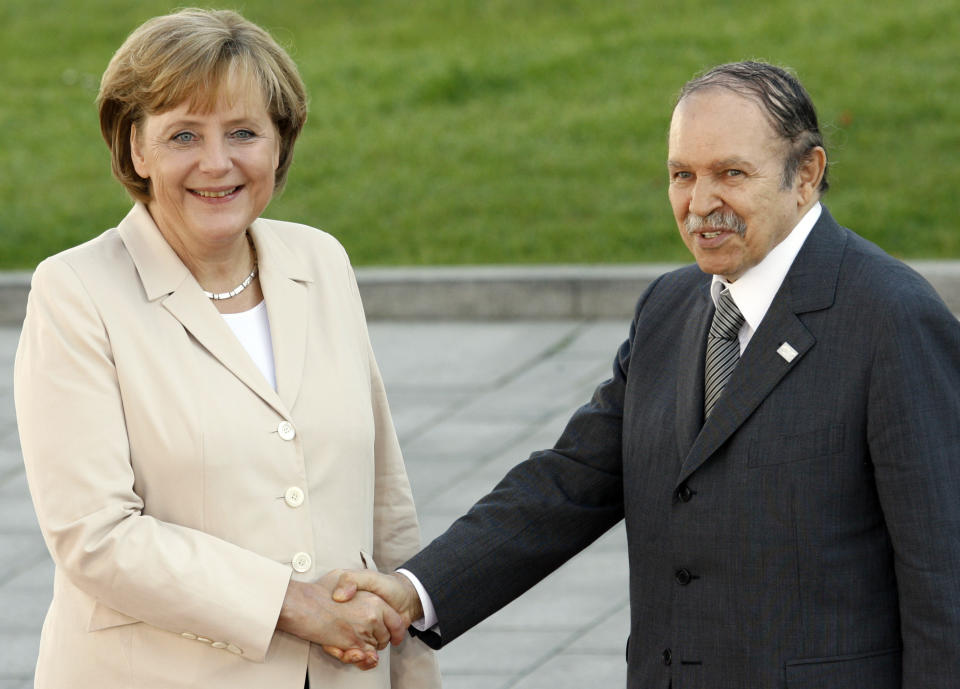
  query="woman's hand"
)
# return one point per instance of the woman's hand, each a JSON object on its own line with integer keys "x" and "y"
{"x": 352, "y": 632}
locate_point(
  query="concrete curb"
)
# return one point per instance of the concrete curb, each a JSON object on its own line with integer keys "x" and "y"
{"x": 505, "y": 292}
{"x": 501, "y": 292}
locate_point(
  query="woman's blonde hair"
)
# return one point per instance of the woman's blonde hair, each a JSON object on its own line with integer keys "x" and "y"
{"x": 188, "y": 56}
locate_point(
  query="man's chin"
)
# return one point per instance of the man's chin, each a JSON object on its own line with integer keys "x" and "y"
{"x": 711, "y": 266}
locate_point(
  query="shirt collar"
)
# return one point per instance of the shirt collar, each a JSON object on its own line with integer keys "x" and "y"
{"x": 754, "y": 291}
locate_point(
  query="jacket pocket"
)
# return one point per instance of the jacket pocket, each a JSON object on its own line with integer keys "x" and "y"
{"x": 104, "y": 617}
{"x": 797, "y": 447}
{"x": 877, "y": 670}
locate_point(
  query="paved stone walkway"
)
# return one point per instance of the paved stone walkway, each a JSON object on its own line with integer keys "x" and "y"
{"x": 469, "y": 400}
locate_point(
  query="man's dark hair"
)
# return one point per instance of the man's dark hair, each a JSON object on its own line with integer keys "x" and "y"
{"x": 786, "y": 103}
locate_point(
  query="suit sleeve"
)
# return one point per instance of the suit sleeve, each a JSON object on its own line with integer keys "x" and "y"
{"x": 75, "y": 448}
{"x": 914, "y": 440}
{"x": 544, "y": 511}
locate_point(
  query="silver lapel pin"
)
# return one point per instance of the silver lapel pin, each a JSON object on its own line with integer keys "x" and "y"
{"x": 787, "y": 352}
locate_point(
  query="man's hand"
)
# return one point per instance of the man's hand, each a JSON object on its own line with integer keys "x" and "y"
{"x": 398, "y": 591}
{"x": 351, "y": 632}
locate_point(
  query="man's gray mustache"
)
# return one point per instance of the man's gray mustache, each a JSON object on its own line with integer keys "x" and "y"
{"x": 717, "y": 220}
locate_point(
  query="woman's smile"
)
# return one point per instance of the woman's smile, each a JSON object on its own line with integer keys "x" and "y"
{"x": 217, "y": 194}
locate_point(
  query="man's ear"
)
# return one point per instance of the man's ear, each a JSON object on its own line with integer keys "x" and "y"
{"x": 810, "y": 173}
{"x": 136, "y": 153}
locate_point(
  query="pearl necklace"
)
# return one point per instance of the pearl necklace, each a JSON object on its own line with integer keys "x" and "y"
{"x": 217, "y": 296}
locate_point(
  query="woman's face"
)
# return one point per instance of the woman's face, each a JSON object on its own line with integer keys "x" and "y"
{"x": 211, "y": 174}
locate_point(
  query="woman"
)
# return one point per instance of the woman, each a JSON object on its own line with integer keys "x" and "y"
{"x": 204, "y": 427}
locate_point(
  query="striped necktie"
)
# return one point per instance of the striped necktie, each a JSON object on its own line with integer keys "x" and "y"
{"x": 723, "y": 349}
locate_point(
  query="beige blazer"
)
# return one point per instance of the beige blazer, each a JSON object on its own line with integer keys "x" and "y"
{"x": 177, "y": 491}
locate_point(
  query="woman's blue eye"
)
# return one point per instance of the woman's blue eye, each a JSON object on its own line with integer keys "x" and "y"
{"x": 183, "y": 137}
{"x": 243, "y": 134}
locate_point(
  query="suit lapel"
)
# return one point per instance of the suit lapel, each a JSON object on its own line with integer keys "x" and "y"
{"x": 810, "y": 285}
{"x": 166, "y": 279}
{"x": 757, "y": 374}
{"x": 693, "y": 345}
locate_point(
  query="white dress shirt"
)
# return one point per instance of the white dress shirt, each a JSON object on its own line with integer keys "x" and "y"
{"x": 252, "y": 328}
{"x": 753, "y": 293}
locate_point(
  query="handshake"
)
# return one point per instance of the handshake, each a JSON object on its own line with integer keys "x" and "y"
{"x": 351, "y": 614}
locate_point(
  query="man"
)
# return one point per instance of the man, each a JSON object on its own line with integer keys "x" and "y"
{"x": 782, "y": 438}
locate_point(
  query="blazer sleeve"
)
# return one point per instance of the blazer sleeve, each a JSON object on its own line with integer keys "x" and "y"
{"x": 413, "y": 665}
{"x": 72, "y": 428}
{"x": 396, "y": 529}
{"x": 914, "y": 439}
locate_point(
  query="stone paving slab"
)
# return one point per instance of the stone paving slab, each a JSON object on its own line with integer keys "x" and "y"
{"x": 576, "y": 671}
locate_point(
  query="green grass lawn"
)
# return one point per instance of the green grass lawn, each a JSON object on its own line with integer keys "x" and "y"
{"x": 505, "y": 131}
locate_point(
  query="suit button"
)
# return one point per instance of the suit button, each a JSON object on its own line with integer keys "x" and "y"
{"x": 684, "y": 493}
{"x": 683, "y": 576}
{"x": 667, "y": 657}
{"x": 286, "y": 430}
{"x": 302, "y": 562}
{"x": 235, "y": 649}
{"x": 204, "y": 639}
{"x": 293, "y": 496}
{"x": 189, "y": 635}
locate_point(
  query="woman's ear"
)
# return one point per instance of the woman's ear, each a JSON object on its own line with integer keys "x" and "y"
{"x": 136, "y": 153}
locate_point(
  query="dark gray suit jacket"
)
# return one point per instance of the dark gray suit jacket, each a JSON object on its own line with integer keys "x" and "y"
{"x": 806, "y": 536}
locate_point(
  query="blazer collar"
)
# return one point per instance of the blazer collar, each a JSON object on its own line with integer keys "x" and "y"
{"x": 283, "y": 279}
{"x": 810, "y": 285}
{"x": 161, "y": 270}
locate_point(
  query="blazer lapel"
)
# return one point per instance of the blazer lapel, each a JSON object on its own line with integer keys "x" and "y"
{"x": 810, "y": 285}
{"x": 167, "y": 279}
{"x": 195, "y": 312}
{"x": 284, "y": 279}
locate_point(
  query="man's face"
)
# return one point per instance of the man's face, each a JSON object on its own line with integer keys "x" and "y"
{"x": 725, "y": 163}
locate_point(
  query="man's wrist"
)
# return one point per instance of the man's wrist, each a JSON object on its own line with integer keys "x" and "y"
{"x": 426, "y": 616}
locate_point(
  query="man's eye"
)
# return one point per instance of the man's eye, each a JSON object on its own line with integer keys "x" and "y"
{"x": 183, "y": 137}
{"x": 734, "y": 173}
{"x": 681, "y": 174}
